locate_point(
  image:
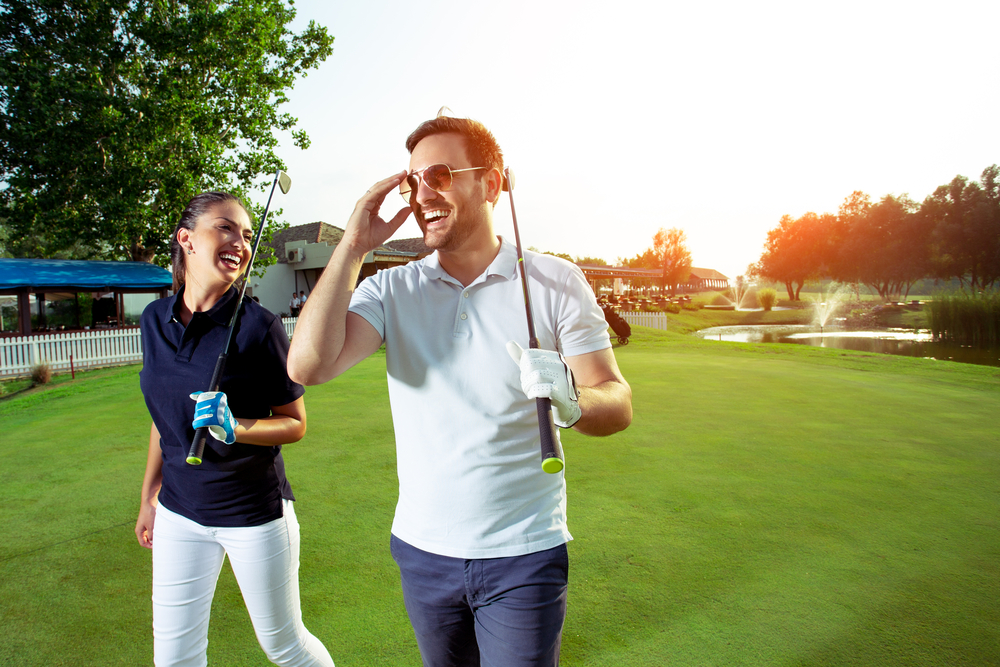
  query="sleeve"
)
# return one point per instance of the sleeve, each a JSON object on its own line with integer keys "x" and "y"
{"x": 281, "y": 390}
{"x": 580, "y": 324}
{"x": 367, "y": 302}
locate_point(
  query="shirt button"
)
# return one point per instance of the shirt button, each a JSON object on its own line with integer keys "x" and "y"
{"x": 464, "y": 316}
{"x": 466, "y": 295}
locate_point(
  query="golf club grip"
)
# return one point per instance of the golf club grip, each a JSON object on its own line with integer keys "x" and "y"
{"x": 552, "y": 461}
{"x": 194, "y": 456}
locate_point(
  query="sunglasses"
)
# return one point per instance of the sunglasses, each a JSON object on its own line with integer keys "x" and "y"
{"x": 438, "y": 177}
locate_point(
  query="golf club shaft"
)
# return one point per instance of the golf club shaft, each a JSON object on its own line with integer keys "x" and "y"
{"x": 552, "y": 460}
{"x": 197, "y": 449}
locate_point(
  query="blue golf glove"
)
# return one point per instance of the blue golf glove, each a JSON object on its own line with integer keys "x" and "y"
{"x": 212, "y": 410}
{"x": 545, "y": 374}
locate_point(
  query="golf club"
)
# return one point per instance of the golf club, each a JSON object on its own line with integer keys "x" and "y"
{"x": 194, "y": 456}
{"x": 552, "y": 460}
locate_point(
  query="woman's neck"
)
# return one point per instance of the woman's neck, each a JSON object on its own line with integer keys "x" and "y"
{"x": 198, "y": 298}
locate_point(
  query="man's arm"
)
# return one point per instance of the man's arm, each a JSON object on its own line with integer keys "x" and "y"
{"x": 605, "y": 396}
{"x": 328, "y": 340}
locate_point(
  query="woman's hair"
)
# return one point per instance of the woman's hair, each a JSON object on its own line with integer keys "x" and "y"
{"x": 196, "y": 208}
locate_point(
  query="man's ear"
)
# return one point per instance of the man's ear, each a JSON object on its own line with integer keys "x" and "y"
{"x": 494, "y": 183}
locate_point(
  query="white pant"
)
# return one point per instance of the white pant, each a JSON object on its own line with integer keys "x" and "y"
{"x": 187, "y": 559}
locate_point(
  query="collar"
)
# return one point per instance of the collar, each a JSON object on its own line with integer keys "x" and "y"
{"x": 220, "y": 313}
{"x": 503, "y": 265}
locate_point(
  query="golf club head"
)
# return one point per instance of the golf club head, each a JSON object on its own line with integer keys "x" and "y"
{"x": 284, "y": 182}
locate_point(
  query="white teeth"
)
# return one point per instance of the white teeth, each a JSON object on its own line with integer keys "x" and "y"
{"x": 227, "y": 257}
{"x": 434, "y": 215}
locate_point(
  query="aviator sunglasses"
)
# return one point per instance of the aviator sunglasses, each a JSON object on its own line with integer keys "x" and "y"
{"x": 438, "y": 177}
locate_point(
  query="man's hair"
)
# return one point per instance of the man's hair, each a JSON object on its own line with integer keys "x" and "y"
{"x": 481, "y": 146}
{"x": 196, "y": 208}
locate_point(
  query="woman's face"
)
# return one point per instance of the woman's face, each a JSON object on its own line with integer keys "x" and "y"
{"x": 221, "y": 242}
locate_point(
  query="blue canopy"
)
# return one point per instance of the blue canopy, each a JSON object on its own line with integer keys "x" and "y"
{"x": 72, "y": 274}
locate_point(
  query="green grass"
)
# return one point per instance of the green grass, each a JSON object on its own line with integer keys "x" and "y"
{"x": 770, "y": 505}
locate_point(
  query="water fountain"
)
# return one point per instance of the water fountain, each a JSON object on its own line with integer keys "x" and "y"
{"x": 739, "y": 291}
{"x": 827, "y": 303}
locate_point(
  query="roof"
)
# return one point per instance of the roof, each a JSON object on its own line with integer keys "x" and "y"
{"x": 319, "y": 232}
{"x": 706, "y": 274}
{"x": 410, "y": 245}
{"x": 84, "y": 275}
{"x": 313, "y": 232}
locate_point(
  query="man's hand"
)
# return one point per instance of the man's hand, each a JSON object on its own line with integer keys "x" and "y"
{"x": 212, "y": 410}
{"x": 365, "y": 230}
{"x": 545, "y": 374}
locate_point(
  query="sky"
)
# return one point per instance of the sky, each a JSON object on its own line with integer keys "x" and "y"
{"x": 619, "y": 118}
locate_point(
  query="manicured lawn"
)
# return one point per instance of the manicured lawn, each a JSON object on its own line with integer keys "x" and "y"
{"x": 770, "y": 505}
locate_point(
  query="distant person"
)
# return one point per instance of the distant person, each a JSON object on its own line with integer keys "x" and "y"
{"x": 480, "y": 530}
{"x": 302, "y": 299}
{"x": 238, "y": 502}
{"x": 294, "y": 305}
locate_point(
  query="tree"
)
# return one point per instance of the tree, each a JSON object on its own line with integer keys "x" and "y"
{"x": 884, "y": 246}
{"x": 672, "y": 256}
{"x": 114, "y": 113}
{"x": 965, "y": 218}
{"x": 795, "y": 251}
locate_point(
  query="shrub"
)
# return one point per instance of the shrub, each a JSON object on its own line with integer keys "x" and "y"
{"x": 672, "y": 308}
{"x": 721, "y": 300}
{"x": 41, "y": 373}
{"x": 766, "y": 298}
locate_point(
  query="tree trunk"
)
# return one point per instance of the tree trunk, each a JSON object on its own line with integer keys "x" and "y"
{"x": 141, "y": 253}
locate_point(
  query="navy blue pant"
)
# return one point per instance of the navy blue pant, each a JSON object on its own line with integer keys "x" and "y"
{"x": 490, "y": 612}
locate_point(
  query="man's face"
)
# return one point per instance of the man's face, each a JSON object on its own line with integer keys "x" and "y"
{"x": 448, "y": 219}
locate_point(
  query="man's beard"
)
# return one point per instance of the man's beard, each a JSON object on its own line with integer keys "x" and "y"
{"x": 454, "y": 236}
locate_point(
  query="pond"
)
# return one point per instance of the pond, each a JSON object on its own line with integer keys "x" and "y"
{"x": 906, "y": 342}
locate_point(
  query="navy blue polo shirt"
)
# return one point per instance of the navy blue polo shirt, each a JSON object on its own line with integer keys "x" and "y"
{"x": 238, "y": 484}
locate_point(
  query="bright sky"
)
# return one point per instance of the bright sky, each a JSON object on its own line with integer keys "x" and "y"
{"x": 619, "y": 118}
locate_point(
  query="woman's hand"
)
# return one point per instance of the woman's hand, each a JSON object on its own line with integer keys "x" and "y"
{"x": 144, "y": 524}
{"x": 212, "y": 411}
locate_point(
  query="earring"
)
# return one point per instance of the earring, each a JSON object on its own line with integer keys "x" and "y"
{"x": 190, "y": 251}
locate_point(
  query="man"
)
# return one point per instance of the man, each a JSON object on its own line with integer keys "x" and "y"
{"x": 302, "y": 298}
{"x": 294, "y": 304}
{"x": 480, "y": 530}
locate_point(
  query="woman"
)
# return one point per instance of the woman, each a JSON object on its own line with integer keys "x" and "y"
{"x": 238, "y": 501}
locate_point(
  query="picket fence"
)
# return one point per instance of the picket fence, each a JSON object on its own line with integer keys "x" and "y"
{"x": 79, "y": 349}
{"x": 641, "y": 319}
{"x": 91, "y": 349}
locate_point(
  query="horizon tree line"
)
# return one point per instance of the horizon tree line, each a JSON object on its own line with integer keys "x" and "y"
{"x": 891, "y": 244}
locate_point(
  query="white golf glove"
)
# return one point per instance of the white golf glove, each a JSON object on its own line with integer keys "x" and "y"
{"x": 212, "y": 410}
{"x": 545, "y": 374}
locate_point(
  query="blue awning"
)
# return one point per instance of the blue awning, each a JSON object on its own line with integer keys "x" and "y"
{"x": 72, "y": 274}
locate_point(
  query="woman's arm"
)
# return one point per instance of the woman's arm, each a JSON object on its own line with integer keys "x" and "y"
{"x": 286, "y": 424}
{"x": 151, "y": 482}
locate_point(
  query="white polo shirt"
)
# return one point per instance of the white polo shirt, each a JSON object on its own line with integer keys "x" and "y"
{"x": 467, "y": 446}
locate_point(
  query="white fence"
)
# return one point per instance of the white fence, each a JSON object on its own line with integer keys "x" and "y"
{"x": 87, "y": 349}
{"x": 641, "y": 319}
{"x": 124, "y": 346}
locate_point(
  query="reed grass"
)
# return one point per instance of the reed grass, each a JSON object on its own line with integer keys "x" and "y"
{"x": 966, "y": 319}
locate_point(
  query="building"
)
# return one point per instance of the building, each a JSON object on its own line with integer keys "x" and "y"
{"x": 304, "y": 251}
{"x": 115, "y": 291}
